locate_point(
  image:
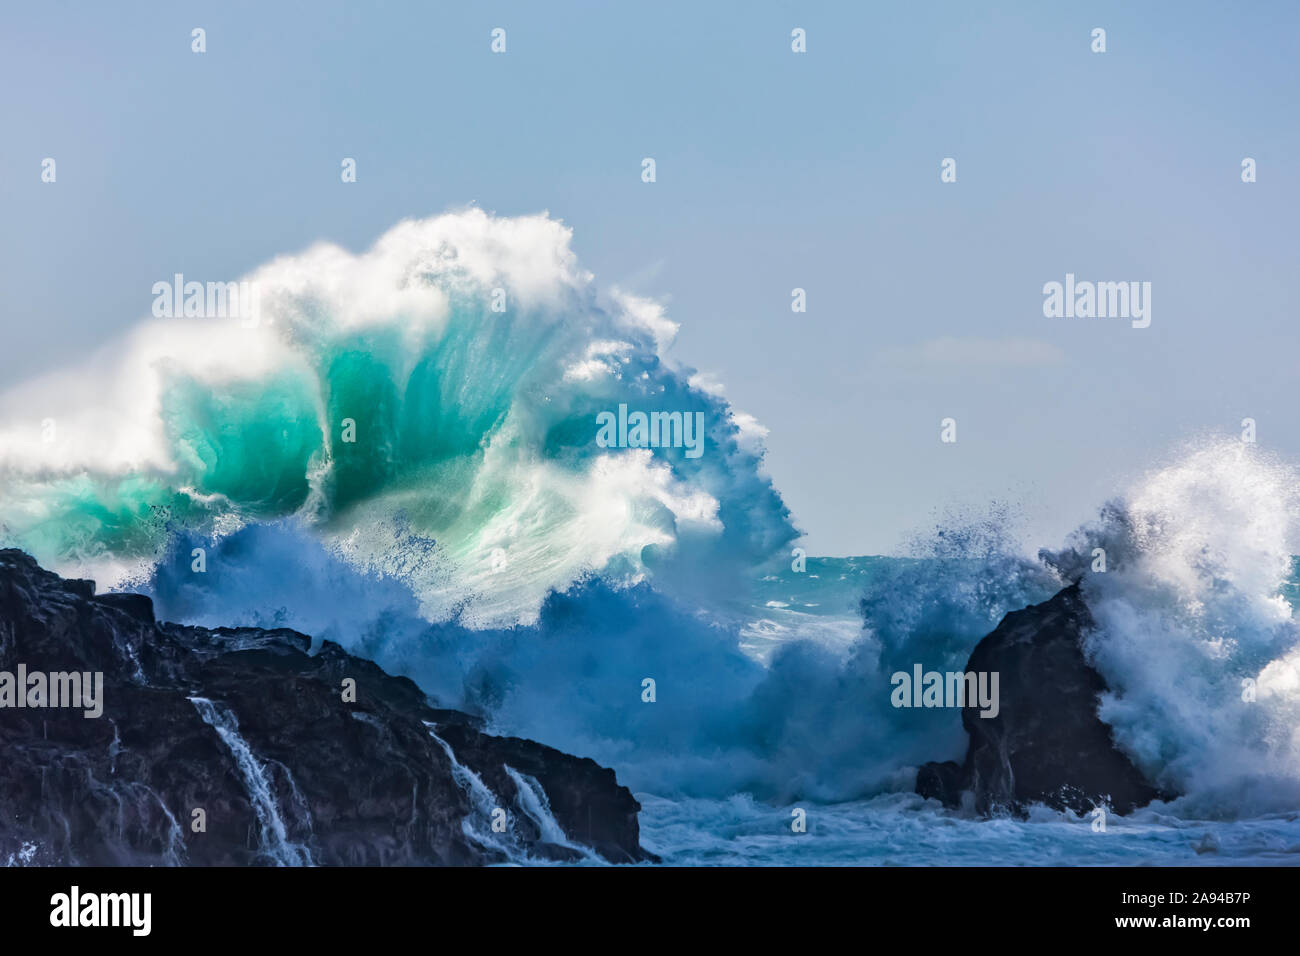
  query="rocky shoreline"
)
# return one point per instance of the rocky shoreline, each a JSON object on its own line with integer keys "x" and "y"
{"x": 1047, "y": 744}
{"x": 242, "y": 746}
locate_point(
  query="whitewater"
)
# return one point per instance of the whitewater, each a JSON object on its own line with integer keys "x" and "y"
{"x": 476, "y": 538}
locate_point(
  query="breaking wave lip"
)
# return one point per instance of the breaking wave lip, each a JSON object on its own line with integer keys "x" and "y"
{"x": 475, "y": 538}
{"x": 473, "y": 430}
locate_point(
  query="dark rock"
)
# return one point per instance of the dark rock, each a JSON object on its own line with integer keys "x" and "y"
{"x": 584, "y": 796}
{"x": 139, "y": 606}
{"x": 80, "y": 587}
{"x": 251, "y": 727}
{"x": 1047, "y": 744}
{"x": 941, "y": 781}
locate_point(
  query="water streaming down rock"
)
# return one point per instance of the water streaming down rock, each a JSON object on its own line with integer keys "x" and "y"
{"x": 532, "y": 799}
{"x": 174, "y": 855}
{"x": 531, "y": 832}
{"x": 273, "y": 834}
{"x": 485, "y": 803}
{"x": 317, "y": 778}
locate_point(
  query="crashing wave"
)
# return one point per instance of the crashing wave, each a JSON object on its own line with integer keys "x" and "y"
{"x": 385, "y": 405}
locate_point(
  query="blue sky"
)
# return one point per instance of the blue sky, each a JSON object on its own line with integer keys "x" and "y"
{"x": 775, "y": 170}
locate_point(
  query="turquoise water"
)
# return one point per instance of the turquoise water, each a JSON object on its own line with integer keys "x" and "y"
{"x": 387, "y": 463}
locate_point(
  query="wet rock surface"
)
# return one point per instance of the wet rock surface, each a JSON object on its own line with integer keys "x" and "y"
{"x": 1047, "y": 744}
{"x": 251, "y": 727}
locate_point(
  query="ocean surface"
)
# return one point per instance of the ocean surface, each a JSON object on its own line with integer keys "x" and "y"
{"x": 387, "y": 463}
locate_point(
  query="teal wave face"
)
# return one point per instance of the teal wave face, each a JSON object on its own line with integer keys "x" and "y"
{"x": 252, "y": 443}
{"x": 383, "y": 391}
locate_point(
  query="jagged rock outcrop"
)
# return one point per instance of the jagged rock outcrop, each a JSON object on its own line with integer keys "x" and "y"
{"x": 250, "y": 727}
{"x": 1047, "y": 744}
